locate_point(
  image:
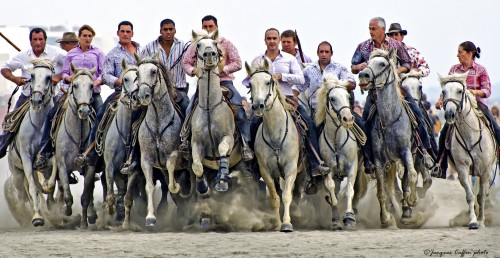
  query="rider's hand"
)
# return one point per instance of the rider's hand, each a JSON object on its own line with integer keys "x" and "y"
{"x": 19, "y": 81}
{"x": 439, "y": 104}
{"x": 361, "y": 66}
{"x": 277, "y": 76}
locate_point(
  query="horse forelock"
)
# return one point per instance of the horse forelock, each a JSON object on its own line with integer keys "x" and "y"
{"x": 385, "y": 54}
{"x": 330, "y": 81}
{"x": 38, "y": 62}
{"x": 460, "y": 78}
{"x": 164, "y": 72}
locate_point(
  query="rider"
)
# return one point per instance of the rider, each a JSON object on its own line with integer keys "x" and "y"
{"x": 289, "y": 45}
{"x": 232, "y": 64}
{"x": 39, "y": 49}
{"x": 171, "y": 51}
{"x": 359, "y": 62}
{"x": 417, "y": 63}
{"x": 286, "y": 69}
{"x": 478, "y": 83}
{"x": 84, "y": 55}
{"x": 313, "y": 76}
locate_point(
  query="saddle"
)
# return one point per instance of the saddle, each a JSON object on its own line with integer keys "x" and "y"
{"x": 14, "y": 118}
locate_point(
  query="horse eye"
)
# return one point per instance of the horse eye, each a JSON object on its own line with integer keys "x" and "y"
{"x": 268, "y": 83}
{"x": 382, "y": 64}
{"x": 332, "y": 99}
{"x": 126, "y": 79}
{"x": 460, "y": 92}
{"x": 198, "y": 45}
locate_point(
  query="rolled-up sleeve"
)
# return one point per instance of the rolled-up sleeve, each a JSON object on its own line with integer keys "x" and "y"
{"x": 485, "y": 84}
{"x": 189, "y": 60}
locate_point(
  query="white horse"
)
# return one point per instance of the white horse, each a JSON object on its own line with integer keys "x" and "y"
{"x": 340, "y": 148}
{"x": 471, "y": 143}
{"x": 277, "y": 142}
{"x": 73, "y": 131}
{"x": 25, "y": 145}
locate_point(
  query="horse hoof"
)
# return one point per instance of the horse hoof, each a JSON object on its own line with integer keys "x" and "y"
{"x": 349, "y": 220}
{"x": 336, "y": 226}
{"x": 67, "y": 211}
{"x": 92, "y": 219}
{"x": 406, "y": 213}
{"x": 151, "y": 222}
{"x": 202, "y": 187}
{"x": 38, "y": 222}
{"x": 205, "y": 224}
{"x": 473, "y": 225}
{"x": 84, "y": 225}
{"x": 119, "y": 217}
{"x": 221, "y": 186}
{"x": 286, "y": 227}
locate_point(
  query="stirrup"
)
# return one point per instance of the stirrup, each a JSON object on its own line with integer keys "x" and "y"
{"x": 185, "y": 147}
{"x": 320, "y": 170}
{"x": 41, "y": 161}
{"x": 247, "y": 154}
{"x": 127, "y": 168}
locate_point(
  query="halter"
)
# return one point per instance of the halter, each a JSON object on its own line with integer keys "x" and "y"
{"x": 44, "y": 94}
{"x": 271, "y": 89}
{"x": 373, "y": 81}
{"x": 460, "y": 104}
{"x": 328, "y": 104}
{"x": 78, "y": 105}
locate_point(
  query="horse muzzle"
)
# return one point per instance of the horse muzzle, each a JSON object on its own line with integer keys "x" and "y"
{"x": 145, "y": 96}
{"x": 258, "y": 109}
{"x": 36, "y": 100}
{"x": 84, "y": 111}
{"x": 365, "y": 79}
{"x": 450, "y": 116}
{"x": 347, "y": 121}
{"x": 210, "y": 58}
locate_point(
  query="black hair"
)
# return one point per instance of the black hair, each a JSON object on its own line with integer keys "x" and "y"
{"x": 468, "y": 47}
{"x": 209, "y": 18}
{"x": 167, "y": 21}
{"x": 325, "y": 43}
{"x": 38, "y": 30}
{"x": 125, "y": 23}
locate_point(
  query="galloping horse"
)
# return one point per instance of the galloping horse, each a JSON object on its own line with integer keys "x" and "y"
{"x": 212, "y": 124}
{"x": 73, "y": 131}
{"x": 391, "y": 134}
{"x": 471, "y": 143}
{"x": 159, "y": 132}
{"x": 412, "y": 83}
{"x": 25, "y": 144}
{"x": 340, "y": 147}
{"x": 278, "y": 143}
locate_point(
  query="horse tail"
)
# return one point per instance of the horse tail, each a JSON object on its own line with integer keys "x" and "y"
{"x": 361, "y": 184}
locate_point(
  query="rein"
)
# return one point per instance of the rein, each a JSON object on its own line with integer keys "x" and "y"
{"x": 271, "y": 89}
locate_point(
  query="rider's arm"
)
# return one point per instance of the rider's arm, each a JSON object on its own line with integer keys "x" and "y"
{"x": 189, "y": 60}
{"x": 233, "y": 60}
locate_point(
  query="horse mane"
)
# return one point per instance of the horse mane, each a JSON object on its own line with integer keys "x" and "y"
{"x": 167, "y": 77}
{"x": 412, "y": 73}
{"x": 279, "y": 92}
{"x": 42, "y": 62}
{"x": 330, "y": 81}
{"x": 460, "y": 77}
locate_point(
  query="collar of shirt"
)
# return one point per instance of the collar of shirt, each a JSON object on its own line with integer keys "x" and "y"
{"x": 474, "y": 67}
{"x": 133, "y": 43}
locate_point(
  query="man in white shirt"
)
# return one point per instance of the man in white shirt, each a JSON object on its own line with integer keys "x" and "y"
{"x": 286, "y": 69}
{"x": 39, "y": 49}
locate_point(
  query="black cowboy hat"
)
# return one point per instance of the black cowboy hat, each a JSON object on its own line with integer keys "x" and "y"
{"x": 396, "y": 27}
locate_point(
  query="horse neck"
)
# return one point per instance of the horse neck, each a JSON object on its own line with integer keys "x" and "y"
{"x": 273, "y": 119}
{"x": 468, "y": 122}
{"x": 38, "y": 115}
{"x": 72, "y": 119}
{"x": 123, "y": 117}
{"x": 209, "y": 88}
{"x": 388, "y": 101}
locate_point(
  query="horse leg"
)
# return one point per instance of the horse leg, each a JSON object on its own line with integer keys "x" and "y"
{"x": 481, "y": 198}
{"x": 68, "y": 198}
{"x": 129, "y": 199}
{"x": 37, "y": 219}
{"x": 51, "y": 183}
{"x": 88, "y": 190}
{"x": 225, "y": 147}
{"x": 463, "y": 176}
{"x": 147, "y": 169}
{"x": 16, "y": 196}
{"x": 385, "y": 216}
{"x": 197, "y": 166}
{"x": 172, "y": 162}
{"x": 349, "y": 216}
{"x": 110, "y": 203}
{"x": 274, "y": 198}
{"x": 426, "y": 177}
{"x": 409, "y": 188}
{"x": 331, "y": 198}
{"x": 290, "y": 176}
{"x": 121, "y": 184}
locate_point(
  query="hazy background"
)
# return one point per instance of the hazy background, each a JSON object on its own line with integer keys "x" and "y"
{"x": 436, "y": 28}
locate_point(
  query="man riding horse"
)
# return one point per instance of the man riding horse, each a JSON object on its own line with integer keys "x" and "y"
{"x": 359, "y": 62}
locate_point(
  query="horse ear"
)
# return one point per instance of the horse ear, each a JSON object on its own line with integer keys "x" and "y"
{"x": 215, "y": 35}
{"x": 124, "y": 64}
{"x": 92, "y": 71}
{"x": 266, "y": 64}
{"x": 248, "y": 68}
{"x": 137, "y": 57}
{"x": 73, "y": 68}
{"x": 194, "y": 35}
{"x": 441, "y": 80}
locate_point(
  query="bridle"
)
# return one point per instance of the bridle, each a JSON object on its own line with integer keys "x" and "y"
{"x": 205, "y": 55}
{"x": 458, "y": 103}
{"x": 79, "y": 105}
{"x": 420, "y": 89}
{"x": 160, "y": 73}
{"x": 376, "y": 76}
{"x": 329, "y": 106}
{"x": 271, "y": 89}
{"x": 44, "y": 94}
{"x": 129, "y": 94}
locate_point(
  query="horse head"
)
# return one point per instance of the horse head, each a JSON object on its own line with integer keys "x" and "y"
{"x": 454, "y": 95}
{"x": 208, "y": 53}
{"x": 333, "y": 100}
{"x": 378, "y": 72}
{"x": 82, "y": 88}
{"x": 130, "y": 89}
{"x": 148, "y": 77}
{"x": 263, "y": 88}
{"x": 412, "y": 83}
{"x": 41, "y": 82}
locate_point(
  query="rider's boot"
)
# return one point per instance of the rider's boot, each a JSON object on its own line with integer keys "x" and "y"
{"x": 5, "y": 140}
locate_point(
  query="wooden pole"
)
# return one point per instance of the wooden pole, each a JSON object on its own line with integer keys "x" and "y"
{"x": 10, "y": 42}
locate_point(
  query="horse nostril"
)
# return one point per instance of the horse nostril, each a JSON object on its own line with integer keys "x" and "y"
{"x": 147, "y": 95}
{"x": 261, "y": 106}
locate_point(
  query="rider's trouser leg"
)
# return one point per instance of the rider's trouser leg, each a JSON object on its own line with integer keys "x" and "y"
{"x": 490, "y": 117}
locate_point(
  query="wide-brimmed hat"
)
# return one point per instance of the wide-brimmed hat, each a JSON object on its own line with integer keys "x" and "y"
{"x": 68, "y": 37}
{"x": 396, "y": 27}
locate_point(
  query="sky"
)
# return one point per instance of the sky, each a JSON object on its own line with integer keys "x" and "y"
{"x": 435, "y": 28}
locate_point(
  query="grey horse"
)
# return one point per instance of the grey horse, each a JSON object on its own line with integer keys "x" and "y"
{"x": 473, "y": 149}
{"x": 278, "y": 143}
{"x": 391, "y": 134}
{"x": 24, "y": 146}
{"x": 340, "y": 147}
{"x": 73, "y": 131}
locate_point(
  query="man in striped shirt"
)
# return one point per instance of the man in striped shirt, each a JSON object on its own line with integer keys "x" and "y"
{"x": 170, "y": 51}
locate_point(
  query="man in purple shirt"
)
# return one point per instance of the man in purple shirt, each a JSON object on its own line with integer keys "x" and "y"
{"x": 359, "y": 62}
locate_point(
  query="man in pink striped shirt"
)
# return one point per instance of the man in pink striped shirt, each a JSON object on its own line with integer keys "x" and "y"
{"x": 232, "y": 64}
